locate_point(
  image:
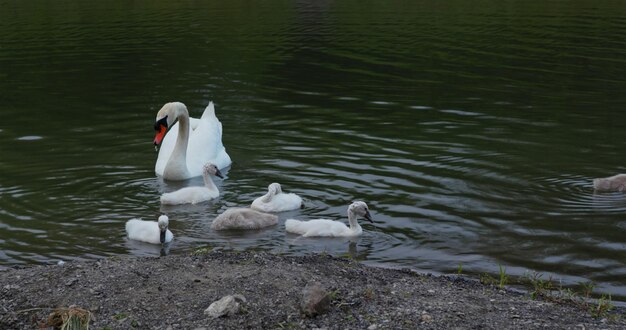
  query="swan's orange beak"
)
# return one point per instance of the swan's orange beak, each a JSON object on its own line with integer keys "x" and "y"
{"x": 160, "y": 134}
{"x": 161, "y": 128}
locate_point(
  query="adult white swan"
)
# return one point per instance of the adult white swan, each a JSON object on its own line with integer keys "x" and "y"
{"x": 331, "y": 228}
{"x": 277, "y": 201}
{"x": 186, "y": 144}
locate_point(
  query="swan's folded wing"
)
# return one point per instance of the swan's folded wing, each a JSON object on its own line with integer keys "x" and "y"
{"x": 145, "y": 231}
{"x": 205, "y": 144}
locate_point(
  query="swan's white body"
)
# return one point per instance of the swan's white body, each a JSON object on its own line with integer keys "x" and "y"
{"x": 243, "y": 218}
{"x": 195, "y": 195}
{"x": 149, "y": 231}
{"x": 331, "y": 228}
{"x": 190, "y": 143}
{"x": 612, "y": 183}
{"x": 277, "y": 201}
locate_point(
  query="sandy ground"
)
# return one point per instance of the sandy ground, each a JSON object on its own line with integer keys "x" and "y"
{"x": 173, "y": 292}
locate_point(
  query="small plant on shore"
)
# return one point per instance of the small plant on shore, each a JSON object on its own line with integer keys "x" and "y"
{"x": 541, "y": 287}
{"x": 569, "y": 295}
{"x": 368, "y": 293}
{"x": 499, "y": 282}
{"x": 587, "y": 289}
{"x": 72, "y": 318}
{"x": 603, "y": 306}
{"x": 347, "y": 256}
{"x": 459, "y": 269}
{"x": 486, "y": 279}
{"x": 202, "y": 251}
{"x": 504, "y": 278}
{"x": 333, "y": 295}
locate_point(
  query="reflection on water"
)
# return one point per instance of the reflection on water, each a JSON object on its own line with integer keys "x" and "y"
{"x": 473, "y": 133}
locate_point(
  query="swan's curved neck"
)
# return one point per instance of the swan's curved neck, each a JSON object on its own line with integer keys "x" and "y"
{"x": 178, "y": 160}
{"x": 354, "y": 224}
{"x": 208, "y": 182}
{"x": 267, "y": 197}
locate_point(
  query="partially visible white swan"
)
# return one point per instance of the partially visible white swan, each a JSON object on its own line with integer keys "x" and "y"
{"x": 277, "y": 201}
{"x": 243, "y": 218}
{"x": 150, "y": 231}
{"x": 331, "y": 228}
{"x": 195, "y": 195}
{"x": 612, "y": 183}
{"x": 182, "y": 152}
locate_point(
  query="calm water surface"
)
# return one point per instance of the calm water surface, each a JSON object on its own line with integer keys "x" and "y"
{"x": 472, "y": 132}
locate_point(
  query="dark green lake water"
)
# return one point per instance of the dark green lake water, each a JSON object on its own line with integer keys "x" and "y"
{"x": 472, "y": 129}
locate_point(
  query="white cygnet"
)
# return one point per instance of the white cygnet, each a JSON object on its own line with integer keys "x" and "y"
{"x": 612, "y": 183}
{"x": 243, "y": 218}
{"x": 331, "y": 228}
{"x": 150, "y": 231}
{"x": 277, "y": 201}
{"x": 195, "y": 195}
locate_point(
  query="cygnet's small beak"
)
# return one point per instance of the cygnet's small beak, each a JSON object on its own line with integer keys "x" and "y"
{"x": 368, "y": 216}
{"x": 219, "y": 174}
{"x": 162, "y": 238}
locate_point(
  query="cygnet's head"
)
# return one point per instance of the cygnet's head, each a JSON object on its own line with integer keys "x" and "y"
{"x": 360, "y": 209}
{"x": 212, "y": 169}
{"x": 163, "y": 224}
{"x": 274, "y": 188}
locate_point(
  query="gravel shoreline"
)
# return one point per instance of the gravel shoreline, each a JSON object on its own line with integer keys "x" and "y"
{"x": 172, "y": 292}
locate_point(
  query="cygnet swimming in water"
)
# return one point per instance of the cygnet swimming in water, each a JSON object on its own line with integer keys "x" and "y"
{"x": 195, "y": 195}
{"x": 331, "y": 228}
{"x": 277, "y": 201}
{"x": 612, "y": 183}
{"x": 243, "y": 218}
{"x": 150, "y": 231}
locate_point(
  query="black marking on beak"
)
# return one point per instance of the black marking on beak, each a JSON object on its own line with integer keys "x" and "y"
{"x": 160, "y": 126}
{"x": 368, "y": 216}
{"x": 219, "y": 174}
{"x": 162, "y": 238}
{"x": 159, "y": 123}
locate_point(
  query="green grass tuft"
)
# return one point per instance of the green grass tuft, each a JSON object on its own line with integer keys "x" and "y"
{"x": 504, "y": 278}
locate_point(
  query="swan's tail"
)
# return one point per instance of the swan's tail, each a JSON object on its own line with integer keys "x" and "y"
{"x": 209, "y": 112}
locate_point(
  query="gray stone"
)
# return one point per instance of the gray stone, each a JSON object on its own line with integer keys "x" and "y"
{"x": 71, "y": 281}
{"x": 227, "y": 306}
{"x": 315, "y": 300}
